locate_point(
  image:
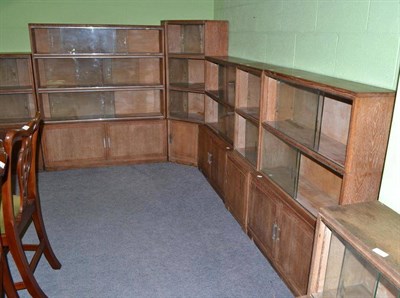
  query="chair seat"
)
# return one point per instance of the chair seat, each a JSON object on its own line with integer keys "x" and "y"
{"x": 16, "y": 203}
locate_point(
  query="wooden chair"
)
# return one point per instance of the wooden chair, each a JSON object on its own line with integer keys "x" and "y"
{"x": 21, "y": 206}
{"x": 6, "y": 283}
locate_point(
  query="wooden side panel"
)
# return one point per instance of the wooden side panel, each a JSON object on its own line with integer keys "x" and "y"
{"x": 367, "y": 143}
{"x": 183, "y": 142}
{"x": 137, "y": 141}
{"x": 73, "y": 145}
{"x": 216, "y": 38}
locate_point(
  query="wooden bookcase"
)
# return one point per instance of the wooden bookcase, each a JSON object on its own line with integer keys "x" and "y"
{"x": 356, "y": 252}
{"x": 187, "y": 44}
{"x": 302, "y": 141}
{"x": 17, "y": 92}
{"x": 321, "y": 138}
{"x": 95, "y": 80}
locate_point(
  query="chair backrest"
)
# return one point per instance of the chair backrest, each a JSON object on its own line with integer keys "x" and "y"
{"x": 3, "y": 161}
{"x": 20, "y": 146}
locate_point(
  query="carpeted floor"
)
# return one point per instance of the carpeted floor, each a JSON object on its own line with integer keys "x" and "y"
{"x": 155, "y": 230}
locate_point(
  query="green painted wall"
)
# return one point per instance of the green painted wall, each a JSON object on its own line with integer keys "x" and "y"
{"x": 16, "y": 14}
{"x": 356, "y": 40}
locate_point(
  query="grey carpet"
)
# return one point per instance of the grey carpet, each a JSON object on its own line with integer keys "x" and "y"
{"x": 154, "y": 230}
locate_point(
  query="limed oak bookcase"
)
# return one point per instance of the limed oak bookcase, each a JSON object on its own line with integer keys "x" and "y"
{"x": 301, "y": 142}
{"x": 101, "y": 93}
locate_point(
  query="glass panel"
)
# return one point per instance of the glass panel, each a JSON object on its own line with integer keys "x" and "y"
{"x": 297, "y": 113}
{"x": 333, "y": 267}
{"x": 318, "y": 186}
{"x": 386, "y": 289}
{"x": 280, "y": 162}
{"x": 93, "y": 105}
{"x": 357, "y": 278}
{"x": 14, "y": 73}
{"x": 221, "y": 118}
{"x": 96, "y": 72}
{"x": 16, "y": 107}
{"x": 78, "y": 105}
{"x": 138, "y": 103}
{"x": 334, "y": 129}
{"x": 226, "y": 84}
{"x": 186, "y": 105}
{"x": 247, "y": 139}
{"x": 249, "y": 93}
{"x": 187, "y": 39}
{"x": 187, "y": 73}
{"x": 347, "y": 273}
{"x": 226, "y": 121}
{"x": 96, "y": 40}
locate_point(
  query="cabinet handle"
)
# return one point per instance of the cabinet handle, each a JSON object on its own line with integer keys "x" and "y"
{"x": 278, "y": 233}
{"x": 170, "y": 138}
{"x": 209, "y": 158}
{"x": 274, "y": 229}
{"x": 104, "y": 143}
{"x": 109, "y": 142}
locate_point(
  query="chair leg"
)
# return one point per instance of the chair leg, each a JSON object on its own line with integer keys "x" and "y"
{"x": 7, "y": 284}
{"x": 42, "y": 235}
{"x": 21, "y": 261}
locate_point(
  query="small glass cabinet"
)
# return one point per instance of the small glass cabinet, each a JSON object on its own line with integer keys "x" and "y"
{"x": 356, "y": 252}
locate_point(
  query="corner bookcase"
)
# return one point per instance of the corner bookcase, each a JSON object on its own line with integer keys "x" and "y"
{"x": 101, "y": 93}
{"x": 187, "y": 44}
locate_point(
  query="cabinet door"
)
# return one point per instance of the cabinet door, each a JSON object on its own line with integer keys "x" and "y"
{"x": 219, "y": 149}
{"x": 137, "y": 140}
{"x": 204, "y": 162}
{"x": 73, "y": 145}
{"x": 263, "y": 207}
{"x": 294, "y": 249}
{"x": 183, "y": 142}
{"x": 236, "y": 189}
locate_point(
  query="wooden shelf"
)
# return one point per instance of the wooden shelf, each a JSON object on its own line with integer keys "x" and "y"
{"x": 252, "y": 114}
{"x": 138, "y": 116}
{"x": 100, "y": 89}
{"x": 307, "y": 151}
{"x": 218, "y": 100}
{"x": 16, "y": 89}
{"x": 189, "y": 87}
{"x": 193, "y": 117}
{"x": 186, "y": 56}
